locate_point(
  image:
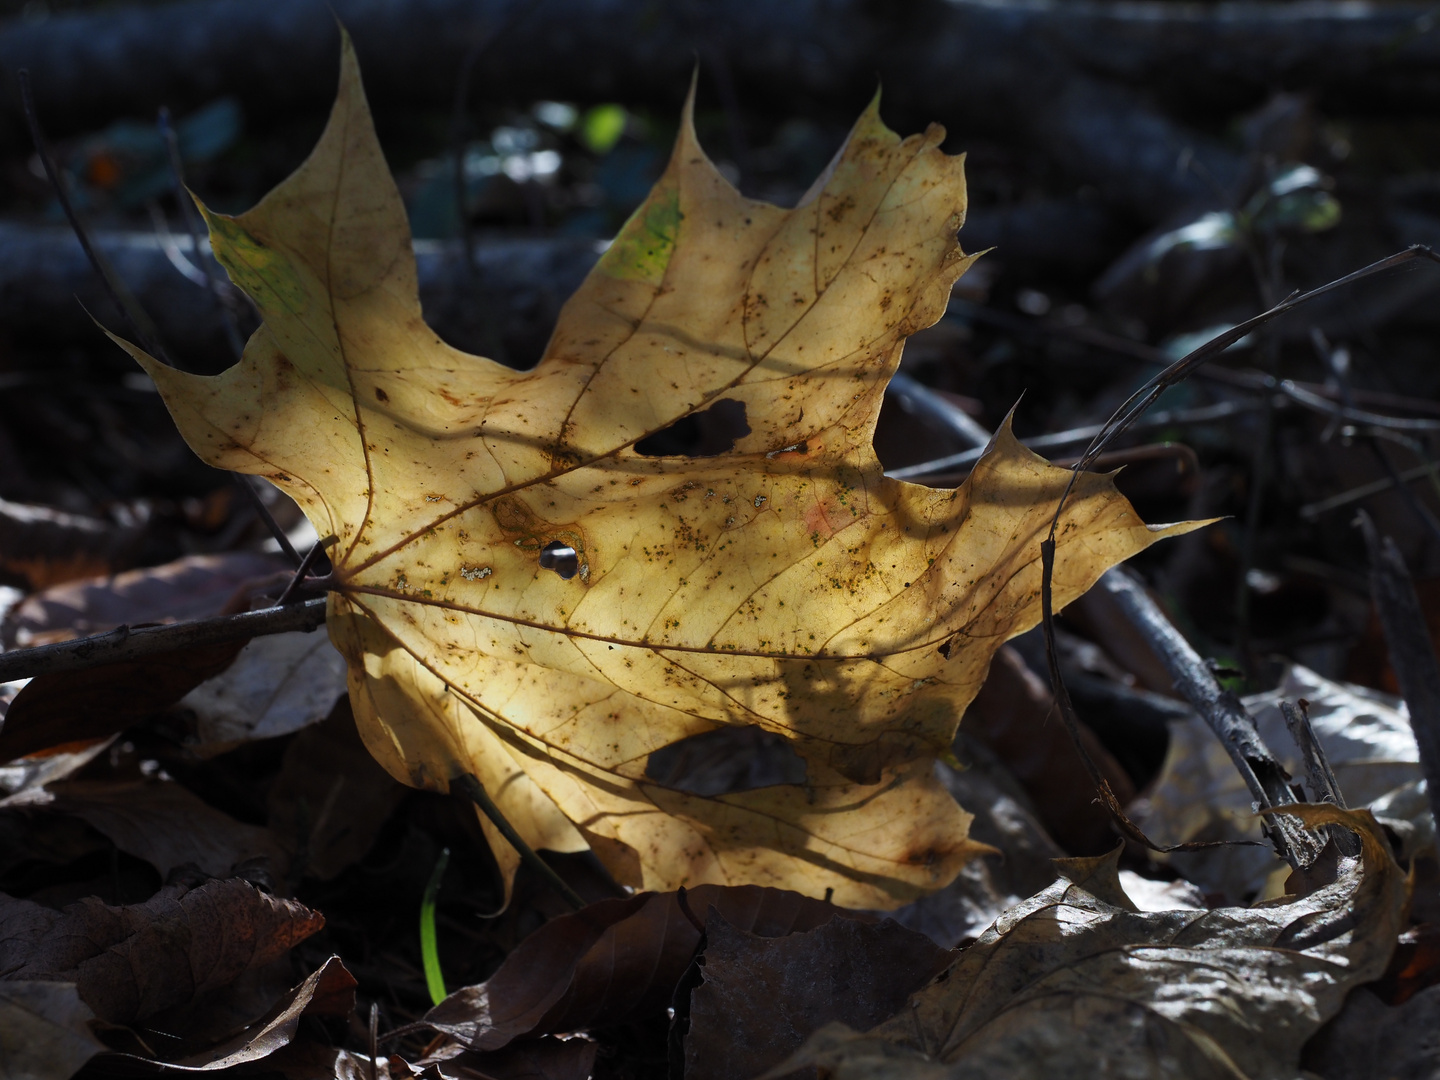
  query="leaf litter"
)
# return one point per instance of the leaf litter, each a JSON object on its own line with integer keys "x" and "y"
{"x": 484, "y": 575}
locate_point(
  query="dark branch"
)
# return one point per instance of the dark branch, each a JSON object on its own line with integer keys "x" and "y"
{"x": 1264, "y": 776}
{"x": 123, "y": 643}
{"x": 1412, "y": 653}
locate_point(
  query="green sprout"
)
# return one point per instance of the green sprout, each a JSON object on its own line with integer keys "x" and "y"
{"x": 429, "y": 950}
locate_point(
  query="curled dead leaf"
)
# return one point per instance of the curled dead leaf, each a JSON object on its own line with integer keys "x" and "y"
{"x": 1075, "y": 982}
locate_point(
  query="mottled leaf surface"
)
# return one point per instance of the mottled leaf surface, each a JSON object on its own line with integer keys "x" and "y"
{"x": 525, "y": 594}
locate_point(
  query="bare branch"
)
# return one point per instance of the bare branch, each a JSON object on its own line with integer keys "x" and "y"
{"x": 124, "y": 643}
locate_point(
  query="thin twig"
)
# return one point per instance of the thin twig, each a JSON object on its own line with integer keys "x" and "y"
{"x": 1138, "y": 402}
{"x": 1263, "y": 774}
{"x": 192, "y": 226}
{"x": 1138, "y": 351}
{"x": 374, "y": 1039}
{"x": 297, "y": 580}
{"x": 124, "y": 643}
{"x": 1412, "y": 654}
{"x": 1259, "y": 479}
{"x": 1071, "y": 720}
{"x": 120, "y": 296}
{"x": 470, "y": 786}
{"x": 1205, "y": 689}
{"x": 268, "y": 518}
{"x": 1312, "y": 511}
{"x": 1323, "y": 785}
{"x": 1204, "y": 414}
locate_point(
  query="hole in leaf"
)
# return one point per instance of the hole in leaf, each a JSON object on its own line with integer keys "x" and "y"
{"x": 561, "y": 558}
{"x": 706, "y": 433}
{"x": 726, "y": 760}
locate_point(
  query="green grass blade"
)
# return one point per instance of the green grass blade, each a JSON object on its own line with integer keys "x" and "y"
{"x": 429, "y": 950}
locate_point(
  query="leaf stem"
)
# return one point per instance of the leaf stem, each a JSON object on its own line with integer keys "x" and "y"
{"x": 469, "y": 785}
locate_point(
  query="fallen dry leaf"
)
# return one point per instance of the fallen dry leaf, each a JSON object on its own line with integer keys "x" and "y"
{"x": 760, "y": 997}
{"x": 1370, "y": 1039}
{"x": 528, "y": 588}
{"x": 46, "y": 546}
{"x": 63, "y": 710}
{"x": 1014, "y": 714}
{"x": 330, "y": 799}
{"x": 329, "y": 991}
{"x": 44, "y": 1031}
{"x": 610, "y": 962}
{"x": 133, "y": 962}
{"x": 190, "y": 588}
{"x": 167, "y": 825}
{"x": 1020, "y": 866}
{"x": 278, "y": 684}
{"x": 1076, "y": 982}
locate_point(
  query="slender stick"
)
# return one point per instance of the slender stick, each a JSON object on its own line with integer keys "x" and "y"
{"x": 268, "y": 518}
{"x": 1412, "y": 653}
{"x": 1220, "y": 709}
{"x": 1202, "y": 414}
{"x": 1312, "y": 511}
{"x": 470, "y": 786}
{"x": 120, "y": 296}
{"x": 124, "y": 643}
{"x": 298, "y": 578}
{"x": 919, "y": 398}
{"x": 192, "y": 226}
{"x": 1323, "y": 785}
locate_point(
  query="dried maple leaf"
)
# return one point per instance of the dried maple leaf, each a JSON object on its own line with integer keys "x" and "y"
{"x": 783, "y": 582}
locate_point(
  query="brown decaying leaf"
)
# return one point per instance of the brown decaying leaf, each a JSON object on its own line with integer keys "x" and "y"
{"x": 1006, "y": 820}
{"x": 60, "y": 711}
{"x": 330, "y": 799}
{"x": 46, "y": 546}
{"x": 1014, "y": 714}
{"x": 1370, "y": 1039}
{"x": 44, "y": 1031}
{"x": 190, "y": 588}
{"x": 132, "y": 962}
{"x": 761, "y": 997}
{"x": 1075, "y": 982}
{"x": 167, "y": 825}
{"x": 612, "y": 961}
{"x": 329, "y": 991}
{"x": 784, "y": 583}
{"x": 278, "y": 684}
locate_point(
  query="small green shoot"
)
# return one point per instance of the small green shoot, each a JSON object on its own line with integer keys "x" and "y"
{"x": 429, "y": 950}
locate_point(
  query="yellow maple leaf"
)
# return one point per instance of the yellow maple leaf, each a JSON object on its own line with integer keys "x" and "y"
{"x": 784, "y": 583}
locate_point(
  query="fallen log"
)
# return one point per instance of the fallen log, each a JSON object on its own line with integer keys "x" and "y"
{"x": 505, "y": 308}
{"x": 1060, "y": 73}
{"x": 1043, "y": 73}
